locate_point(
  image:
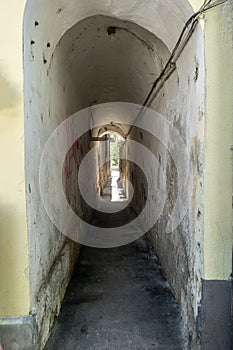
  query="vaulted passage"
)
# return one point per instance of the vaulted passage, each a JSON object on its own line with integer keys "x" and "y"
{"x": 118, "y": 298}
{"x": 88, "y": 70}
{"x": 97, "y": 76}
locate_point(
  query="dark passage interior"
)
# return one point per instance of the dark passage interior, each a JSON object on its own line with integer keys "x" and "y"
{"x": 125, "y": 303}
{"x": 118, "y": 299}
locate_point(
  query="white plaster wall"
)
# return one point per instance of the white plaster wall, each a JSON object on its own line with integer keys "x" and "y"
{"x": 66, "y": 74}
{"x": 67, "y": 84}
{"x": 181, "y": 252}
{"x": 108, "y": 68}
{"x": 182, "y": 103}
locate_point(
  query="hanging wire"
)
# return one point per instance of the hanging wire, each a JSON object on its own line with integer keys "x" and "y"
{"x": 170, "y": 66}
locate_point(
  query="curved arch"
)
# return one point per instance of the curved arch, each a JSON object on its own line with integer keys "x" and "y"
{"x": 117, "y": 129}
{"x": 105, "y": 59}
{"x": 165, "y": 19}
{"x": 59, "y": 73}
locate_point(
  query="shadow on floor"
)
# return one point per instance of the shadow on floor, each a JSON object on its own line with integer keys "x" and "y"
{"x": 118, "y": 299}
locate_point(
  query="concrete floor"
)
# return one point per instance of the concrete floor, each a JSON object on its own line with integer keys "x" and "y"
{"x": 118, "y": 299}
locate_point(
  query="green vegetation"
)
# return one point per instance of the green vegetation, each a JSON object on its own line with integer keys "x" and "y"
{"x": 115, "y": 150}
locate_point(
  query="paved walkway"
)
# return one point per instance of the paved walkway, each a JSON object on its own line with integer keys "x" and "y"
{"x": 118, "y": 299}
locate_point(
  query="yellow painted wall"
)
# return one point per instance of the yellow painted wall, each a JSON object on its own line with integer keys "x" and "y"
{"x": 219, "y": 138}
{"x": 14, "y": 286}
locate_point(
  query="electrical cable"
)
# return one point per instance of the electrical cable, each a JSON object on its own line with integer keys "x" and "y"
{"x": 170, "y": 66}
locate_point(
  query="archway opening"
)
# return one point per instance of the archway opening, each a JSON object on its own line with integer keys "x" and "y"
{"x": 98, "y": 60}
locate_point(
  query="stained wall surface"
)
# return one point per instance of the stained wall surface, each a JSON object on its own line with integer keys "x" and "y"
{"x": 104, "y": 58}
{"x": 63, "y": 50}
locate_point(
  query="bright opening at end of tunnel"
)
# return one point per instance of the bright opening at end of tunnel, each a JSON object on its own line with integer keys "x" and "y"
{"x": 117, "y": 191}
{"x": 114, "y": 184}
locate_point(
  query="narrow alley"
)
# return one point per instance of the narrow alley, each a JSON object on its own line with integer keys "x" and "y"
{"x": 116, "y": 181}
{"x": 118, "y": 298}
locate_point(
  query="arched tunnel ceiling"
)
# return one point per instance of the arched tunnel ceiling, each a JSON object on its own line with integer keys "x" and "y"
{"x": 110, "y": 60}
{"x": 157, "y": 22}
{"x": 102, "y": 59}
{"x": 119, "y": 129}
{"x": 164, "y": 18}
